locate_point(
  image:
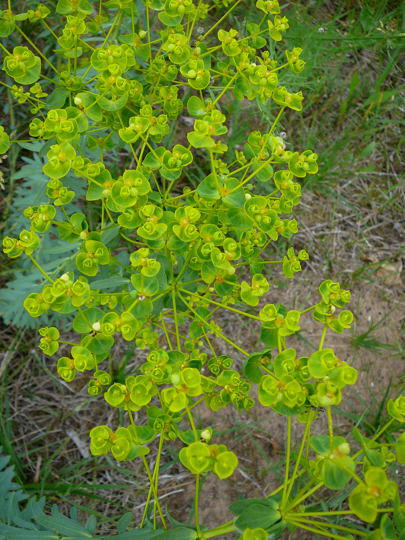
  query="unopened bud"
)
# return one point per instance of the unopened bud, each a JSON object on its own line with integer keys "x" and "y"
{"x": 206, "y": 434}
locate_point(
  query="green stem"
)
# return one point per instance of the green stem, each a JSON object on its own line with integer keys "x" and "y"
{"x": 39, "y": 267}
{"x": 220, "y": 334}
{"x": 252, "y": 175}
{"x": 279, "y": 346}
{"x": 170, "y": 331}
{"x": 207, "y": 339}
{"x": 301, "y": 449}
{"x": 166, "y": 334}
{"x": 75, "y": 58}
{"x": 156, "y": 476}
{"x": 168, "y": 190}
{"x": 223, "y": 306}
{"x": 176, "y": 322}
{"x": 331, "y": 526}
{"x": 153, "y": 487}
{"x": 116, "y": 21}
{"x": 146, "y": 505}
{"x": 317, "y": 531}
{"x": 281, "y": 487}
{"x": 148, "y": 29}
{"x": 330, "y": 427}
{"x": 240, "y": 169}
{"x": 218, "y": 531}
{"x": 277, "y": 118}
{"x": 279, "y": 67}
{"x": 196, "y": 505}
{"x": 149, "y": 474}
{"x": 378, "y": 434}
{"x": 133, "y": 304}
{"x": 352, "y": 474}
{"x": 214, "y": 170}
{"x": 49, "y": 29}
{"x": 296, "y": 502}
{"x": 37, "y": 50}
{"x": 192, "y": 423}
{"x": 190, "y": 31}
{"x": 4, "y": 49}
{"x": 219, "y": 20}
{"x": 322, "y": 340}
{"x": 275, "y": 491}
{"x": 193, "y": 405}
{"x": 130, "y": 239}
{"x": 262, "y": 262}
{"x": 185, "y": 266}
{"x": 225, "y": 88}
{"x": 147, "y": 469}
{"x": 308, "y": 309}
{"x": 336, "y": 513}
{"x": 233, "y": 344}
{"x": 179, "y": 196}
{"x": 287, "y": 463}
{"x": 275, "y": 122}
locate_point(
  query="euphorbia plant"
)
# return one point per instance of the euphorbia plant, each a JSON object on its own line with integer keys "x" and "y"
{"x": 176, "y": 227}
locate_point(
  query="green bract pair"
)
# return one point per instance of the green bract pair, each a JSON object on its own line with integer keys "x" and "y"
{"x": 121, "y": 443}
{"x": 201, "y": 457}
{"x": 166, "y": 226}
